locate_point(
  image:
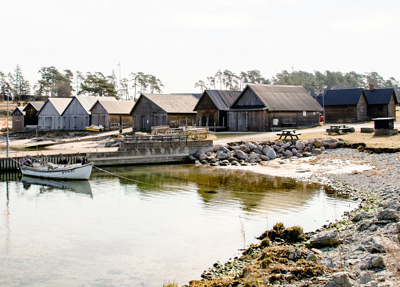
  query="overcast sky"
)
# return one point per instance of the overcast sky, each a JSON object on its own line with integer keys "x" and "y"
{"x": 183, "y": 41}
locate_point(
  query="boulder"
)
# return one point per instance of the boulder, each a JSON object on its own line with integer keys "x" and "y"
{"x": 373, "y": 261}
{"x": 240, "y": 154}
{"x": 268, "y": 151}
{"x": 202, "y": 156}
{"x": 300, "y": 145}
{"x": 364, "y": 278}
{"x": 224, "y": 162}
{"x": 340, "y": 279}
{"x": 388, "y": 214}
{"x": 223, "y": 155}
{"x": 326, "y": 238}
{"x": 265, "y": 157}
{"x": 318, "y": 143}
{"x": 311, "y": 257}
{"x": 250, "y": 146}
{"x": 317, "y": 151}
{"x": 255, "y": 156}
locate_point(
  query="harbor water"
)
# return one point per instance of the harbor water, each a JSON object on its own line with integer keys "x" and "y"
{"x": 149, "y": 226}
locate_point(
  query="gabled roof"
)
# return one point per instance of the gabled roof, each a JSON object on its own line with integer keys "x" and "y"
{"x": 173, "y": 103}
{"x": 87, "y": 102}
{"x": 342, "y": 97}
{"x": 283, "y": 98}
{"x": 20, "y": 109}
{"x": 380, "y": 96}
{"x": 35, "y": 105}
{"x": 116, "y": 107}
{"x": 223, "y": 100}
{"x": 60, "y": 104}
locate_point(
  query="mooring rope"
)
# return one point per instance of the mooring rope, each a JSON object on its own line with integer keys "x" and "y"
{"x": 120, "y": 176}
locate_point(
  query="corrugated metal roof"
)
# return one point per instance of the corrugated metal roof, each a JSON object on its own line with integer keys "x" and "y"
{"x": 222, "y": 99}
{"x": 174, "y": 103}
{"x": 342, "y": 97}
{"x": 284, "y": 98}
{"x": 117, "y": 107}
{"x": 380, "y": 96}
{"x": 60, "y": 104}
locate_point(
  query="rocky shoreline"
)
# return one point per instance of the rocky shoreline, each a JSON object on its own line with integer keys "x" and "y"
{"x": 360, "y": 250}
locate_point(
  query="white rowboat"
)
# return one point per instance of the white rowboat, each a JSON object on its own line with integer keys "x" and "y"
{"x": 58, "y": 171}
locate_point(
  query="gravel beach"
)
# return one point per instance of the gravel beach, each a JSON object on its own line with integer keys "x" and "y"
{"x": 361, "y": 250}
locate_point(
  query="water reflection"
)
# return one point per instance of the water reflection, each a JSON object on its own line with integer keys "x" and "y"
{"x": 78, "y": 186}
{"x": 153, "y": 224}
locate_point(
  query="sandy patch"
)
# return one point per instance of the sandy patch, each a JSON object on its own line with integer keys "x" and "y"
{"x": 302, "y": 168}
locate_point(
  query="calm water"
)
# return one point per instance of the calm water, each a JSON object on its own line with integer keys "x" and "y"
{"x": 155, "y": 225}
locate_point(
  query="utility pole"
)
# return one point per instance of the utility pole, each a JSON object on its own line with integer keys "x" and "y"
{"x": 6, "y": 92}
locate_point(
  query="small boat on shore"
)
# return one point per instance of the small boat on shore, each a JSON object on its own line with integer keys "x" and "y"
{"x": 56, "y": 171}
{"x": 94, "y": 128}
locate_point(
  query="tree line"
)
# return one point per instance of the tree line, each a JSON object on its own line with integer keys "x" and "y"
{"x": 55, "y": 83}
{"x": 314, "y": 83}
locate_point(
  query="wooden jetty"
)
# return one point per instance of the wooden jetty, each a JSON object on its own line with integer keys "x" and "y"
{"x": 132, "y": 151}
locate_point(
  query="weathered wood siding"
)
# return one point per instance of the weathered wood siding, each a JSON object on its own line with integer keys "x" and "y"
{"x": 176, "y": 120}
{"x": 207, "y": 112}
{"x": 243, "y": 121}
{"x": 347, "y": 113}
{"x": 49, "y": 118}
{"x": 249, "y": 99}
{"x": 100, "y": 117}
{"x": 18, "y": 121}
{"x": 295, "y": 119}
{"x": 115, "y": 121}
{"x": 341, "y": 114}
{"x": 75, "y": 117}
{"x": 262, "y": 120}
{"x": 31, "y": 118}
{"x": 382, "y": 111}
{"x": 146, "y": 115}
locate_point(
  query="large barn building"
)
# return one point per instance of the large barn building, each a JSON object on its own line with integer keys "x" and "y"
{"x": 263, "y": 108}
{"x": 163, "y": 109}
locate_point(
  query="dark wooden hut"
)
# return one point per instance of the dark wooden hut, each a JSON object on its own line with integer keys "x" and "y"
{"x": 381, "y": 102}
{"x": 112, "y": 114}
{"x": 49, "y": 116}
{"x": 31, "y": 113}
{"x": 18, "y": 119}
{"x": 263, "y": 108}
{"x": 212, "y": 107}
{"x": 345, "y": 105}
{"x": 163, "y": 109}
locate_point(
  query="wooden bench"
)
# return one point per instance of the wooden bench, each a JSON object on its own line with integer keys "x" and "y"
{"x": 340, "y": 129}
{"x": 288, "y": 133}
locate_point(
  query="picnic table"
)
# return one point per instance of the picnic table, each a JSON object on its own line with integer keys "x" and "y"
{"x": 339, "y": 129}
{"x": 292, "y": 133}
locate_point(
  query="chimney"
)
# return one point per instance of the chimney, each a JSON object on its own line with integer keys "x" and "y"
{"x": 371, "y": 87}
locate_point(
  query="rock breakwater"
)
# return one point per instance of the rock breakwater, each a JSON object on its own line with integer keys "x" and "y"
{"x": 245, "y": 153}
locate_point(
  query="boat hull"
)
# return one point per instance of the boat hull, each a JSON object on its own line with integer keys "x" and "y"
{"x": 76, "y": 172}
